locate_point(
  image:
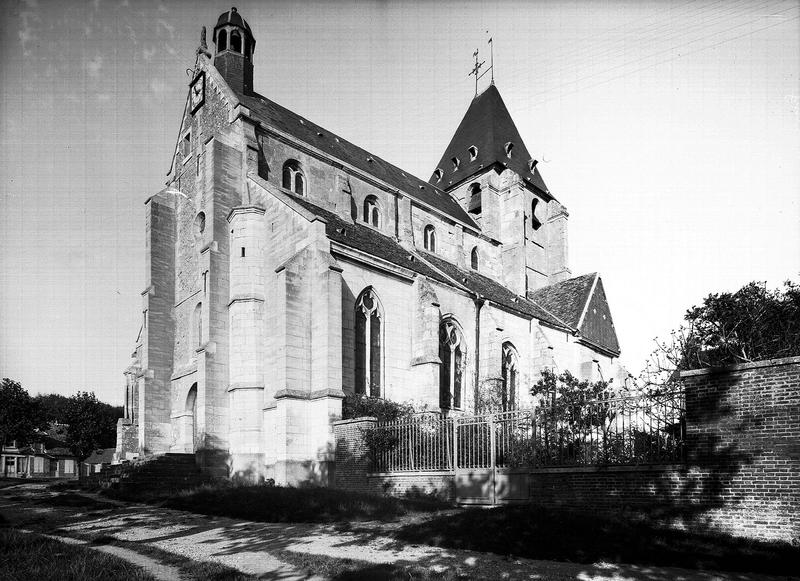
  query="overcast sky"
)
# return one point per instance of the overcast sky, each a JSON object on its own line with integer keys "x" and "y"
{"x": 670, "y": 130}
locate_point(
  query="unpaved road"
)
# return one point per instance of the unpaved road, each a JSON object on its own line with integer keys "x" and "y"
{"x": 255, "y": 548}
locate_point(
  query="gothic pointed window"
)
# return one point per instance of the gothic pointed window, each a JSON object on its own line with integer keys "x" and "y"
{"x": 509, "y": 372}
{"x": 293, "y": 177}
{"x": 451, "y": 372}
{"x": 372, "y": 212}
{"x": 369, "y": 344}
{"x": 429, "y": 238}
{"x": 475, "y": 199}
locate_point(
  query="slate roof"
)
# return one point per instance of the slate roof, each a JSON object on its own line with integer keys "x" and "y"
{"x": 372, "y": 242}
{"x": 492, "y": 290}
{"x": 581, "y": 303}
{"x": 488, "y": 126}
{"x": 281, "y": 118}
{"x": 567, "y": 298}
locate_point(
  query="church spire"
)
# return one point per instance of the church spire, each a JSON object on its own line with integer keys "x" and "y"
{"x": 486, "y": 138}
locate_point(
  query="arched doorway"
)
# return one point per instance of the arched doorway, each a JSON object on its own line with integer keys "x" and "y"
{"x": 190, "y": 419}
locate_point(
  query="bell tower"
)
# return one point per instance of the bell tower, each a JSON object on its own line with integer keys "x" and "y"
{"x": 233, "y": 55}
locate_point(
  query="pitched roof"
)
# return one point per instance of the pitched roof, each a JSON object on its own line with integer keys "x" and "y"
{"x": 492, "y": 290}
{"x": 566, "y": 299}
{"x": 289, "y": 122}
{"x": 581, "y": 302}
{"x": 368, "y": 240}
{"x": 487, "y": 125}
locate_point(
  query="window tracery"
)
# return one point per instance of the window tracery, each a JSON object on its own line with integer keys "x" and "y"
{"x": 368, "y": 344}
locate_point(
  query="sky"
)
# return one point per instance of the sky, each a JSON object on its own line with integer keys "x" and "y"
{"x": 670, "y": 131}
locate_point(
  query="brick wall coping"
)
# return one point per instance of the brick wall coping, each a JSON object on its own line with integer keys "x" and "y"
{"x": 629, "y": 468}
{"x": 410, "y": 473}
{"x": 355, "y": 421}
{"x": 741, "y": 366}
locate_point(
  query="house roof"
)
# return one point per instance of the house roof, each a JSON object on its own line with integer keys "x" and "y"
{"x": 283, "y": 119}
{"x": 487, "y": 126}
{"x": 581, "y": 303}
{"x": 101, "y": 456}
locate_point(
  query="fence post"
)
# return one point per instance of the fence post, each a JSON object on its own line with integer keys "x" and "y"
{"x": 492, "y": 454}
{"x": 455, "y": 444}
{"x": 534, "y": 460}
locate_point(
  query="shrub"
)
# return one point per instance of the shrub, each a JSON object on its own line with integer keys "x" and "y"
{"x": 359, "y": 406}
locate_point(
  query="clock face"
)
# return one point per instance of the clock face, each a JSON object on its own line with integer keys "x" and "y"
{"x": 197, "y": 92}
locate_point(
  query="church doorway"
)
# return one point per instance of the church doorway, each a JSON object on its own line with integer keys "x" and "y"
{"x": 191, "y": 421}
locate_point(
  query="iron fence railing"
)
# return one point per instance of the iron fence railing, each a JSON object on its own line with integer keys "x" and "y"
{"x": 643, "y": 429}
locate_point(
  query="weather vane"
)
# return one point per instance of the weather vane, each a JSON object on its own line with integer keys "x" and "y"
{"x": 476, "y": 70}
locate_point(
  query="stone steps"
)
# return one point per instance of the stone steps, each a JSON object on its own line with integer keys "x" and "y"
{"x": 157, "y": 473}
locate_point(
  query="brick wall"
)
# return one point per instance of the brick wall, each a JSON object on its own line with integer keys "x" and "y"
{"x": 741, "y": 475}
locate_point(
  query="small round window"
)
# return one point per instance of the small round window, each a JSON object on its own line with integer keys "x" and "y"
{"x": 199, "y": 225}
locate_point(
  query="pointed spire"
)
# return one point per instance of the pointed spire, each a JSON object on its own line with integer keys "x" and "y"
{"x": 486, "y": 137}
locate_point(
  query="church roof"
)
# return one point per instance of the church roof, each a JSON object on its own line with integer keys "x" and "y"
{"x": 488, "y": 127}
{"x": 374, "y": 243}
{"x": 581, "y": 303}
{"x": 289, "y": 122}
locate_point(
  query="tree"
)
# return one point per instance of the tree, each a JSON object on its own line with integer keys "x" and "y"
{"x": 92, "y": 424}
{"x": 752, "y": 324}
{"x": 20, "y": 415}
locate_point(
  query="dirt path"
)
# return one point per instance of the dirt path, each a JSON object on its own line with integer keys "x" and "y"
{"x": 255, "y": 548}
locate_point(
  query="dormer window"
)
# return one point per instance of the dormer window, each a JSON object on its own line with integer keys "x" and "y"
{"x": 473, "y": 153}
{"x": 438, "y": 174}
{"x": 473, "y": 258}
{"x": 293, "y": 178}
{"x": 429, "y": 238}
{"x": 532, "y": 164}
{"x": 509, "y": 147}
{"x": 372, "y": 212}
{"x": 456, "y": 163}
{"x": 474, "y": 199}
{"x": 186, "y": 145}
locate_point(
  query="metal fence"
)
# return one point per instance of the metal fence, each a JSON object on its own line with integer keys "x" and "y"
{"x": 644, "y": 429}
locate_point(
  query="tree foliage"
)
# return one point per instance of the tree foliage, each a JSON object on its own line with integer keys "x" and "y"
{"x": 751, "y": 324}
{"x": 20, "y": 415}
{"x": 359, "y": 406}
{"x": 92, "y": 424}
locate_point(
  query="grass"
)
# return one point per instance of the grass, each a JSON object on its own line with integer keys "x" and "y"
{"x": 563, "y": 535}
{"x": 27, "y": 556}
{"x": 190, "y": 569}
{"x": 287, "y": 504}
{"x": 354, "y": 570}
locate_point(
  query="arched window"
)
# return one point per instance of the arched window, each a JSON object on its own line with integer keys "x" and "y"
{"x": 198, "y": 325}
{"x": 236, "y": 41}
{"x": 369, "y": 344}
{"x": 451, "y": 373}
{"x": 535, "y": 222}
{"x": 429, "y": 238}
{"x": 509, "y": 372}
{"x": 222, "y": 41}
{"x": 475, "y": 199}
{"x": 473, "y": 258}
{"x": 509, "y": 147}
{"x": 293, "y": 178}
{"x": 372, "y": 213}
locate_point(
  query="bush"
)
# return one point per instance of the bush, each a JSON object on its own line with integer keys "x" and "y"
{"x": 359, "y": 406}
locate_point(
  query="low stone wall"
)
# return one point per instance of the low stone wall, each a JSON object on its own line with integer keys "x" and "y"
{"x": 741, "y": 475}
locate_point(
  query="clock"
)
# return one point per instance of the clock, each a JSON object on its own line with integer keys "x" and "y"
{"x": 197, "y": 92}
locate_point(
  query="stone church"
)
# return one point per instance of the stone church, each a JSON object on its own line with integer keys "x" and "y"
{"x": 287, "y": 267}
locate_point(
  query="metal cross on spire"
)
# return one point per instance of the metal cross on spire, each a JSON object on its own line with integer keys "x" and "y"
{"x": 478, "y": 64}
{"x": 476, "y": 70}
